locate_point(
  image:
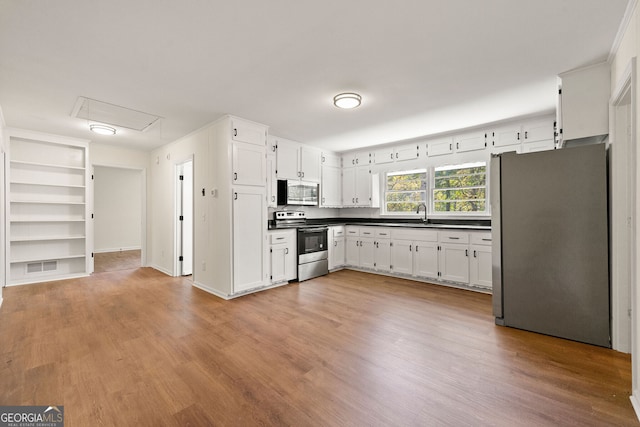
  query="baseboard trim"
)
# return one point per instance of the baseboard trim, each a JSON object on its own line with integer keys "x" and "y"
{"x": 161, "y": 270}
{"x": 130, "y": 248}
{"x": 635, "y": 402}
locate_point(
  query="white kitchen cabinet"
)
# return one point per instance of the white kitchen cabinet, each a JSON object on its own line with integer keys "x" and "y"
{"x": 48, "y": 209}
{"x": 331, "y": 181}
{"x": 297, "y": 161}
{"x": 367, "y": 252}
{"x": 537, "y": 131}
{"x": 352, "y": 256}
{"x": 384, "y": 155}
{"x": 425, "y": 259}
{"x": 249, "y": 213}
{"x": 480, "y": 260}
{"x": 470, "y": 141}
{"x": 440, "y": 147}
{"x": 360, "y": 158}
{"x": 402, "y": 257}
{"x": 336, "y": 247}
{"x": 453, "y": 262}
{"x": 360, "y": 187}
{"x": 382, "y": 256}
{"x": 406, "y": 152}
{"x": 272, "y": 181}
{"x": 249, "y": 164}
{"x": 282, "y": 255}
{"x": 506, "y": 138}
{"x": 248, "y": 132}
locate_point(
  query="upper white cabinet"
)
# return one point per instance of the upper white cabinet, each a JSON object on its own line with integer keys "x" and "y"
{"x": 470, "y": 141}
{"x": 249, "y": 164}
{"x": 297, "y": 161}
{"x": 48, "y": 217}
{"x": 407, "y": 152}
{"x": 584, "y": 102}
{"x": 362, "y": 158}
{"x": 331, "y": 183}
{"x": 251, "y": 133}
{"x": 440, "y": 147}
{"x": 384, "y": 155}
{"x": 360, "y": 188}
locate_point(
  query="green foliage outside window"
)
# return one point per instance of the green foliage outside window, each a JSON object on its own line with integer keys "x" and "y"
{"x": 460, "y": 188}
{"x": 405, "y": 191}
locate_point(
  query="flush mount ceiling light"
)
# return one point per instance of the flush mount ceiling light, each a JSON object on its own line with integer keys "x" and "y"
{"x": 347, "y": 100}
{"x": 102, "y": 129}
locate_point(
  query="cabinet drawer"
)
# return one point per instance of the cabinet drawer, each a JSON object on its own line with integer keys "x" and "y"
{"x": 279, "y": 237}
{"x": 338, "y": 231}
{"x": 383, "y": 233}
{"x": 367, "y": 231}
{"x": 454, "y": 237}
{"x": 481, "y": 238}
{"x": 352, "y": 231}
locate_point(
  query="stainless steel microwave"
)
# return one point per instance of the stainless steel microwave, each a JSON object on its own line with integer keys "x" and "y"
{"x": 294, "y": 192}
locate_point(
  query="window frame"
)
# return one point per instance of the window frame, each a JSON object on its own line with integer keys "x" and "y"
{"x": 425, "y": 170}
{"x": 451, "y": 214}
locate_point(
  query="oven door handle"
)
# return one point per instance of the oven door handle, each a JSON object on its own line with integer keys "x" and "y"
{"x": 312, "y": 230}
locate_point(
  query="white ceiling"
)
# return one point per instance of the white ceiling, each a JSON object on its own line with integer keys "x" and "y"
{"x": 421, "y": 66}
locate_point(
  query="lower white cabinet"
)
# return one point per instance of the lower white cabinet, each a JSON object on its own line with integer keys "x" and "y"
{"x": 336, "y": 247}
{"x": 453, "y": 262}
{"x": 425, "y": 259}
{"x": 417, "y": 257}
{"x": 282, "y": 256}
{"x": 480, "y": 260}
{"x": 249, "y": 213}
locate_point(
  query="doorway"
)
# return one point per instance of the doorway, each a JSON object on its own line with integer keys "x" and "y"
{"x": 184, "y": 218}
{"x": 117, "y": 222}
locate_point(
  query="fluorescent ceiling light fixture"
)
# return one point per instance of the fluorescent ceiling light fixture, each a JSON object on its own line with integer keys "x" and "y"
{"x": 347, "y": 100}
{"x": 102, "y": 129}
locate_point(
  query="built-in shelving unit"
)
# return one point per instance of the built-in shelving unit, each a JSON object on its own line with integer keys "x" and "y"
{"x": 47, "y": 205}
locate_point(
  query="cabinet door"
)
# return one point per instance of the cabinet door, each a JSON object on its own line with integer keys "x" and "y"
{"x": 272, "y": 181}
{"x": 471, "y": 142}
{"x": 480, "y": 266}
{"x": 333, "y": 160}
{"x": 440, "y": 147}
{"x": 251, "y": 133}
{"x": 310, "y": 164}
{"x": 407, "y": 152}
{"x": 363, "y": 186}
{"x": 349, "y": 187}
{"x": 249, "y": 219}
{"x": 291, "y": 254}
{"x": 425, "y": 259}
{"x": 367, "y": 252}
{"x": 402, "y": 257}
{"x": 507, "y": 136}
{"x": 331, "y": 187}
{"x": 385, "y": 155}
{"x": 249, "y": 164}
{"x": 538, "y": 131}
{"x": 287, "y": 160}
{"x": 352, "y": 257}
{"x": 278, "y": 263}
{"x": 382, "y": 256}
{"x": 453, "y": 262}
{"x": 336, "y": 253}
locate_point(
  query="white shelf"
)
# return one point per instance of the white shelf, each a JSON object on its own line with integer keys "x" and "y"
{"x": 48, "y": 165}
{"x": 46, "y": 184}
{"x": 39, "y": 259}
{"x": 16, "y": 220}
{"x": 47, "y": 202}
{"x": 43, "y": 238}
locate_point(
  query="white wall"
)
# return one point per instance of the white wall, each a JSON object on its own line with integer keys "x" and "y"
{"x": 117, "y": 209}
{"x": 628, "y": 48}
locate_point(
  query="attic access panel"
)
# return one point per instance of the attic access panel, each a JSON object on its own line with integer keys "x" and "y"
{"x": 111, "y": 114}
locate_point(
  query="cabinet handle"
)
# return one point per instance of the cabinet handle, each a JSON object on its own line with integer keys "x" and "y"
{"x": 357, "y": 161}
{"x": 526, "y": 134}
{"x": 356, "y": 200}
{"x": 273, "y": 198}
{"x": 474, "y": 254}
{"x": 409, "y": 248}
{"x": 518, "y": 136}
{"x": 322, "y": 159}
{"x": 466, "y": 252}
{"x": 416, "y": 248}
{"x": 457, "y": 145}
{"x": 273, "y": 148}
{"x": 486, "y": 240}
{"x": 353, "y": 200}
{"x": 391, "y": 156}
{"x": 396, "y": 155}
{"x": 235, "y": 196}
{"x": 235, "y": 132}
{"x": 353, "y": 161}
{"x": 454, "y": 238}
{"x": 335, "y": 243}
{"x": 450, "y": 147}
{"x": 302, "y": 174}
{"x": 286, "y": 251}
{"x": 235, "y": 176}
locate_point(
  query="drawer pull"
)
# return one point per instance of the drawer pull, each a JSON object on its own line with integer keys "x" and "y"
{"x": 454, "y": 238}
{"x": 486, "y": 240}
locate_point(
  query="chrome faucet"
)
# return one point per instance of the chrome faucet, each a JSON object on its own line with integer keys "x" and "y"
{"x": 425, "y": 211}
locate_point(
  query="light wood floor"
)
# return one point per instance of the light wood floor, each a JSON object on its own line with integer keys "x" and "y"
{"x": 114, "y": 261}
{"x": 136, "y": 347}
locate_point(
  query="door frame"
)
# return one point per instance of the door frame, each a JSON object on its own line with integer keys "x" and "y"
{"x": 178, "y": 165}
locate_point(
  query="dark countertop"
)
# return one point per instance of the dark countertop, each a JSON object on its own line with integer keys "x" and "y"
{"x": 482, "y": 225}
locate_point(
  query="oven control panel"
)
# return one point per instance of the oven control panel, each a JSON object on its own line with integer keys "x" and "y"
{"x": 284, "y": 215}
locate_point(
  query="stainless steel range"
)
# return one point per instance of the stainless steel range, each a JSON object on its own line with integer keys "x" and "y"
{"x": 313, "y": 251}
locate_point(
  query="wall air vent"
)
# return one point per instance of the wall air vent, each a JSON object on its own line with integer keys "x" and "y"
{"x": 41, "y": 266}
{"x": 111, "y": 114}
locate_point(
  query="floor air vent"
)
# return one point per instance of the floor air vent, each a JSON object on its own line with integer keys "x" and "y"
{"x": 41, "y": 266}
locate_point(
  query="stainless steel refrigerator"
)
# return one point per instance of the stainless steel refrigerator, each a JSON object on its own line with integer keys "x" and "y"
{"x": 551, "y": 242}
